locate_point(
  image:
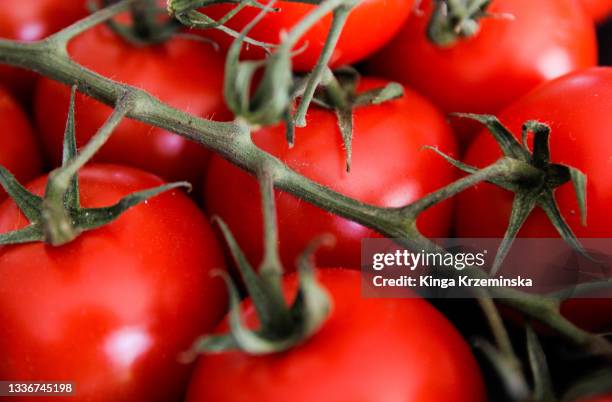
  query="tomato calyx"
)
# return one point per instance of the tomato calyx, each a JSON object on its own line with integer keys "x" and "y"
{"x": 57, "y": 218}
{"x": 282, "y": 325}
{"x": 338, "y": 92}
{"x": 273, "y": 99}
{"x": 453, "y": 20}
{"x": 536, "y": 186}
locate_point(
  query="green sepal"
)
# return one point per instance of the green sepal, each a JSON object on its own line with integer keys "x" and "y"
{"x": 27, "y": 202}
{"x": 282, "y": 326}
{"x": 579, "y": 181}
{"x": 267, "y": 307}
{"x": 338, "y": 93}
{"x": 523, "y": 204}
{"x": 376, "y": 96}
{"x": 453, "y": 20}
{"x": 246, "y": 339}
{"x": 70, "y": 152}
{"x": 456, "y": 163}
{"x": 271, "y": 100}
{"x": 471, "y": 169}
{"x": 506, "y": 141}
{"x": 543, "y": 388}
{"x": 93, "y": 218}
{"x": 549, "y": 205}
{"x": 29, "y": 234}
{"x": 346, "y": 123}
{"x": 312, "y": 302}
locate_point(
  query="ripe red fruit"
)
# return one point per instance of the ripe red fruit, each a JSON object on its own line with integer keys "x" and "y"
{"x": 370, "y": 25}
{"x": 502, "y": 62}
{"x": 113, "y": 309}
{"x": 369, "y": 350}
{"x": 19, "y": 152}
{"x": 30, "y": 20}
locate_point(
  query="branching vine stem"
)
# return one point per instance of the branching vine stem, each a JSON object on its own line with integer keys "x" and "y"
{"x": 232, "y": 140}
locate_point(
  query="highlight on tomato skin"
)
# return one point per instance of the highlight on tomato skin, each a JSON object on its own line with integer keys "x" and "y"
{"x": 154, "y": 68}
{"x": 390, "y": 172}
{"x": 30, "y": 20}
{"x": 111, "y": 310}
{"x": 369, "y": 350}
{"x": 370, "y": 25}
{"x": 19, "y": 150}
{"x": 505, "y": 59}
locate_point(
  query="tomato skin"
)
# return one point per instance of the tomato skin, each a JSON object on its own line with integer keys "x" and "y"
{"x": 576, "y": 107}
{"x": 389, "y": 168}
{"x": 369, "y": 350}
{"x": 19, "y": 151}
{"x": 383, "y": 19}
{"x": 181, "y": 72}
{"x": 113, "y": 309}
{"x": 31, "y": 20}
{"x": 599, "y": 10}
{"x": 505, "y": 60}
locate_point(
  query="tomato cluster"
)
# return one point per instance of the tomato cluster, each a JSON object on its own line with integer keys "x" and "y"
{"x": 113, "y": 309}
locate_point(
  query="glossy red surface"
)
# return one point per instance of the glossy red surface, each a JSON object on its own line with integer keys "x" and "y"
{"x": 369, "y": 350}
{"x": 113, "y": 309}
{"x": 19, "y": 152}
{"x": 506, "y": 59}
{"x": 370, "y": 25}
{"x": 30, "y": 20}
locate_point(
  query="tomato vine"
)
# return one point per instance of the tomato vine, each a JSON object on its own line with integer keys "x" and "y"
{"x": 50, "y": 58}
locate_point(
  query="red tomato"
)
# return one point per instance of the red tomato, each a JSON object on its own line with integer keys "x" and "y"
{"x": 577, "y": 108}
{"x": 369, "y": 350}
{"x": 113, "y": 309}
{"x": 183, "y": 73}
{"x": 598, "y": 9}
{"x": 389, "y": 168}
{"x": 383, "y": 18}
{"x": 505, "y": 60}
{"x": 30, "y": 20}
{"x": 18, "y": 148}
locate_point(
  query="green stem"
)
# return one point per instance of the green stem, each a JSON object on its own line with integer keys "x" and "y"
{"x": 59, "y": 228}
{"x": 61, "y": 38}
{"x": 340, "y": 16}
{"x": 502, "y": 339}
{"x": 506, "y": 168}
